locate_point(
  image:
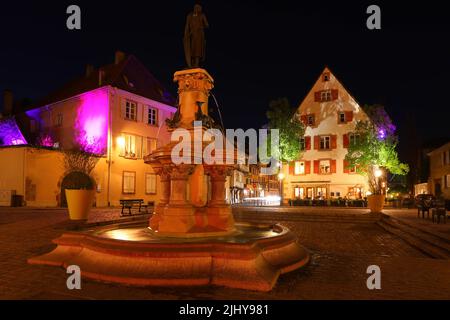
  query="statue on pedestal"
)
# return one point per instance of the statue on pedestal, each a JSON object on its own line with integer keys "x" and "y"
{"x": 194, "y": 37}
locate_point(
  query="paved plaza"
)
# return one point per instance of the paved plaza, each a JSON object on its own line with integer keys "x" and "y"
{"x": 342, "y": 242}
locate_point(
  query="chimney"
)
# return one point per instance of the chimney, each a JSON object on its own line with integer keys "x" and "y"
{"x": 89, "y": 70}
{"x": 120, "y": 56}
{"x": 7, "y": 102}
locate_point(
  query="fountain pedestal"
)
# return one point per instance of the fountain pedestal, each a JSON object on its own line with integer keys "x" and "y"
{"x": 189, "y": 240}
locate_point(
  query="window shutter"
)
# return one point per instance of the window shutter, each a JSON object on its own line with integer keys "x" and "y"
{"x": 145, "y": 114}
{"x": 346, "y": 168}
{"x": 139, "y": 111}
{"x": 316, "y": 166}
{"x": 348, "y": 116}
{"x": 346, "y": 140}
{"x": 307, "y": 167}
{"x": 333, "y": 166}
{"x": 317, "y": 96}
{"x": 334, "y": 94}
{"x": 291, "y": 168}
{"x": 307, "y": 143}
{"x": 316, "y": 142}
{"x": 123, "y": 103}
{"x": 333, "y": 141}
{"x": 138, "y": 147}
{"x": 303, "y": 119}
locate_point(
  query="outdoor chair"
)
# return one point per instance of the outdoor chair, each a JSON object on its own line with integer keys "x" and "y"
{"x": 439, "y": 211}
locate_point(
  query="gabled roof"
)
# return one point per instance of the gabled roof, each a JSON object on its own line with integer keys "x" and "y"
{"x": 319, "y": 81}
{"x": 129, "y": 75}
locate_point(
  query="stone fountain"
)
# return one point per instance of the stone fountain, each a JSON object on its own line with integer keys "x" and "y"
{"x": 192, "y": 238}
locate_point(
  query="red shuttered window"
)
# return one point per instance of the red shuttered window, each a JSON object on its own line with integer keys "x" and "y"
{"x": 317, "y": 96}
{"x": 346, "y": 140}
{"x": 307, "y": 142}
{"x": 333, "y": 141}
{"x": 346, "y": 168}
{"x": 348, "y": 116}
{"x": 333, "y": 166}
{"x": 316, "y": 166}
{"x": 316, "y": 142}
{"x": 334, "y": 94}
{"x": 307, "y": 167}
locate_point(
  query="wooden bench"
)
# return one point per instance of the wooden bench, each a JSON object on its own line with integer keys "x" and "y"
{"x": 133, "y": 203}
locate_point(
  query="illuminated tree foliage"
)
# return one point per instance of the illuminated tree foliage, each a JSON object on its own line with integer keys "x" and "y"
{"x": 375, "y": 148}
{"x": 283, "y": 117}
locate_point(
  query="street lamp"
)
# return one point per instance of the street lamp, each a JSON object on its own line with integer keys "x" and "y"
{"x": 378, "y": 173}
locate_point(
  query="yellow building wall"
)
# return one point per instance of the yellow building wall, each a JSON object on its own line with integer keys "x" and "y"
{"x": 37, "y": 173}
{"x": 12, "y": 171}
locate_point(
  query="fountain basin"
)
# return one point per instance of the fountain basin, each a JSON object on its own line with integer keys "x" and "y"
{"x": 252, "y": 257}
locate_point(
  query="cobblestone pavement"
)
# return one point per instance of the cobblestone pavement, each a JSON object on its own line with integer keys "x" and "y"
{"x": 341, "y": 252}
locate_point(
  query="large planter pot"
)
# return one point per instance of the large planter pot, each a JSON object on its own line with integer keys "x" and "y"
{"x": 375, "y": 202}
{"x": 79, "y": 203}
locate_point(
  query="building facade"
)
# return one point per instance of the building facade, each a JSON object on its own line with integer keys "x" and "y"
{"x": 329, "y": 113}
{"x": 117, "y": 112}
{"x": 439, "y": 180}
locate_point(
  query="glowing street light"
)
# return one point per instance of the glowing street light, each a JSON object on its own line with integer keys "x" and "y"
{"x": 281, "y": 176}
{"x": 378, "y": 173}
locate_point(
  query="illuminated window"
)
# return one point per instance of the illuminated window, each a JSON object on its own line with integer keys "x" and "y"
{"x": 150, "y": 183}
{"x": 324, "y": 167}
{"x": 341, "y": 117}
{"x": 325, "y": 95}
{"x": 130, "y": 110}
{"x": 299, "y": 167}
{"x": 132, "y": 146}
{"x": 321, "y": 192}
{"x": 129, "y": 182}
{"x": 152, "y": 116}
{"x": 309, "y": 193}
{"x": 324, "y": 142}
{"x": 299, "y": 192}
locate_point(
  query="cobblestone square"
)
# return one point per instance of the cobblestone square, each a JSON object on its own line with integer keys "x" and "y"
{"x": 341, "y": 251}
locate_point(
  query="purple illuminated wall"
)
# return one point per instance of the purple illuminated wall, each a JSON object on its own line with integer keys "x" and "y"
{"x": 10, "y": 134}
{"x": 91, "y": 123}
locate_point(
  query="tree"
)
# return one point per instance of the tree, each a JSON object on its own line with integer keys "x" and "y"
{"x": 283, "y": 117}
{"x": 373, "y": 150}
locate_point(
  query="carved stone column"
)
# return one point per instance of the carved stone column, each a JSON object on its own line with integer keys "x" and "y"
{"x": 179, "y": 178}
{"x": 178, "y": 216}
{"x": 164, "y": 174}
{"x": 218, "y": 178}
{"x": 193, "y": 87}
{"x": 219, "y": 214}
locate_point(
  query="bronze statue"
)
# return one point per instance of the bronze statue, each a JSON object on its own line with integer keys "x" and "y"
{"x": 194, "y": 37}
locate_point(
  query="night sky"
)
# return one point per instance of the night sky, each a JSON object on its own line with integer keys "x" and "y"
{"x": 256, "y": 51}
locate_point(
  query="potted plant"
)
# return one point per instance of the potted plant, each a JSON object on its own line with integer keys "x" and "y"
{"x": 79, "y": 185}
{"x": 373, "y": 153}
